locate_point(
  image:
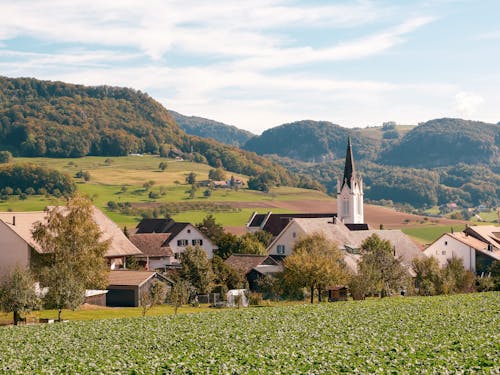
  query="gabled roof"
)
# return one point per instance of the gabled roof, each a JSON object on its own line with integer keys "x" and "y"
{"x": 135, "y": 278}
{"x": 486, "y": 233}
{"x": 152, "y": 244}
{"x": 475, "y": 244}
{"x": 275, "y": 223}
{"x": 24, "y": 221}
{"x": 246, "y": 262}
{"x": 154, "y": 225}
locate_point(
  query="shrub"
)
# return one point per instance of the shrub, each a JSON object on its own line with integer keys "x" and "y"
{"x": 255, "y": 299}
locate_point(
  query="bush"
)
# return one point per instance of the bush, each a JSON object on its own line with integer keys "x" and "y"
{"x": 255, "y": 299}
{"x": 5, "y": 157}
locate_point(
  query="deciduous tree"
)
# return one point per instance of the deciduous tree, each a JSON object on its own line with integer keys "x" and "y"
{"x": 196, "y": 269}
{"x": 75, "y": 253}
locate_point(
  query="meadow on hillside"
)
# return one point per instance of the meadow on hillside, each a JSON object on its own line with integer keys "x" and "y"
{"x": 444, "y": 334}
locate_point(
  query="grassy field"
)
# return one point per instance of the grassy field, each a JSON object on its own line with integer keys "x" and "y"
{"x": 427, "y": 234}
{"x": 417, "y": 335}
{"x": 121, "y": 179}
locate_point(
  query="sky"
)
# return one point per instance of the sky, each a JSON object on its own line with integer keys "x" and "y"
{"x": 261, "y": 63}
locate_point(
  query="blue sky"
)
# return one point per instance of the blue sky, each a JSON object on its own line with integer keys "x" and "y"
{"x": 257, "y": 64}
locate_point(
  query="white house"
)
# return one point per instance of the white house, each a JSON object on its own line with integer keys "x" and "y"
{"x": 17, "y": 246}
{"x": 162, "y": 240}
{"x": 347, "y": 240}
{"x": 477, "y": 255}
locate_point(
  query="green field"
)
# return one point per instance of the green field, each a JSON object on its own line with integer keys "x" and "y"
{"x": 411, "y": 335}
{"x": 121, "y": 179}
{"x": 429, "y": 233}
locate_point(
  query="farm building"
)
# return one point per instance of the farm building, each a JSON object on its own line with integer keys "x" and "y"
{"x": 17, "y": 245}
{"x": 254, "y": 267}
{"x": 126, "y": 286}
{"x": 165, "y": 239}
{"x": 477, "y": 252}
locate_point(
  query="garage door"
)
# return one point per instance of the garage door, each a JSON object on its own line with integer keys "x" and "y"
{"x": 120, "y": 298}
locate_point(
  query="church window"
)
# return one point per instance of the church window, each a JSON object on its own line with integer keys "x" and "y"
{"x": 280, "y": 249}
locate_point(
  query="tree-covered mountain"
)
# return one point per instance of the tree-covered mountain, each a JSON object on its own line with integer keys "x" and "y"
{"x": 444, "y": 142}
{"x": 56, "y": 119}
{"x": 202, "y": 127}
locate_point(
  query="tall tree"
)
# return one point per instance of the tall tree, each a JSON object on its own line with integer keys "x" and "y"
{"x": 380, "y": 267}
{"x": 17, "y": 293}
{"x": 196, "y": 269}
{"x": 210, "y": 228}
{"x": 315, "y": 263}
{"x": 428, "y": 278}
{"x": 75, "y": 254}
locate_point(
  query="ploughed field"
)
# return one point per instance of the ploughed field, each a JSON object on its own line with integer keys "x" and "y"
{"x": 444, "y": 334}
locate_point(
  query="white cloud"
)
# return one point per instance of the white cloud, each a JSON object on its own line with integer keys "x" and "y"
{"x": 467, "y": 103}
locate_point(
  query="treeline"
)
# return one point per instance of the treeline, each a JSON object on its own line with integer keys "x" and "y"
{"x": 56, "y": 119}
{"x": 466, "y": 185}
{"x": 202, "y": 127}
{"x": 30, "y": 179}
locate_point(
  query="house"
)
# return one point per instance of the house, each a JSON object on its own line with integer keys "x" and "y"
{"x": 337, "y": 293}
{"x": 275, "y": 223}
{"x": 347, "y": 240}
{"x": 126, "y": 286}
{"x": 17, "y": 246}
{"x": 176, "y": 237}
{"x": 477, "y": 252}
{"x": 254, "y": 267}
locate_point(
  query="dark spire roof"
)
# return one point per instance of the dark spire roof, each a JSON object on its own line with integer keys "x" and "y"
{"x": 349, "y": 170}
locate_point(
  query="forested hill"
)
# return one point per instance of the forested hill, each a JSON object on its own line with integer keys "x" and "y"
{"x": 440, "y": 142}
{"x": 56, "y": 119}
{"x": 444, "y": 142}
{"x": 202, "y": 127}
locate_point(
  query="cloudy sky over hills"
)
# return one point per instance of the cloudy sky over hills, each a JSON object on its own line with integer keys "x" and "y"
{"x": 257, "y": 64}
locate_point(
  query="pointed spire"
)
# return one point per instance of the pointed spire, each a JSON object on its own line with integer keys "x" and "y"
{"x": 349, "y": 171}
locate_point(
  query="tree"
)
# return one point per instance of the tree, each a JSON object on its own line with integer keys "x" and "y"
{"x": 196, "y": 269}
{"x": 315, "y": 263}
{"x": 179, "y": 294}
{"x": 210, "y": 228}
{"x": 155, "y": 295}
{"x": 17, "y": 293}
{"x": 5, "y": 157}
{"x": 74, "y": 252}
{"x": 191, "y": 178}
{"x": 248, "y": 244}
{"x": 217, "y": 174}
{"x": 428, "y": 280}
{"x": 227, "y": 276}
{"x": 378, "y": 265}
{"x": 456, "y": 278}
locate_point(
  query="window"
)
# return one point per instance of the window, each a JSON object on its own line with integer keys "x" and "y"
{"x": 176, "y": 255}
{"x": 182, "y": 242}
{"x": 280, "y": 249}
{"x": 445, "y": 243}
{"x": 197, "y": 242}
{"x": 189, "y": 230}
{"x": 294, "y": 234}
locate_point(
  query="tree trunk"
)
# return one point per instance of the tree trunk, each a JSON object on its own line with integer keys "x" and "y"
{"x": 59, "y": 312}
{"x": 16, "y": 317}
{"x": 319, "y": 295}
{"x": 312, "y": 294}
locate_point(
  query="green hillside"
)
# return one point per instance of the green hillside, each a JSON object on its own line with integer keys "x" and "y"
{"x": 205, "y": 128}
{"x": 56, "y": 119}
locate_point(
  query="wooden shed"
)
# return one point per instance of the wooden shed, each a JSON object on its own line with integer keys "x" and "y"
{"x": 126, "y": 286}
{"x": 337, "y": 293}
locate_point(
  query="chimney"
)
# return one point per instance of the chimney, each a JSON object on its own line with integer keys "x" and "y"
{"x": 13, "y": 220}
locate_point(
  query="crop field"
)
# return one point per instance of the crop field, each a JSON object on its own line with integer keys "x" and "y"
{"x": 418, "y": 335}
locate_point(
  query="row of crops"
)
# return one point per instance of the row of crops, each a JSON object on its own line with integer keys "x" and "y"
{"x": 444, "y": 334}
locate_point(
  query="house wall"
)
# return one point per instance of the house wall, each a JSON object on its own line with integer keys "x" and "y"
{"x": 156, "y": 263}
{"x": 191, "y": 233}
{"x": 13, "y": 250}
{"x": 447, "y": 247}
{"x": 287, "y": 238}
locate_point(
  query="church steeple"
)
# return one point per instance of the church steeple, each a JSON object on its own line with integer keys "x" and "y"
{"x": 350, "y": 192}
{"x": 349, "y": 170}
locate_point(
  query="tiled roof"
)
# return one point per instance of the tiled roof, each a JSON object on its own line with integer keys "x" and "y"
{"x": 152, "y": 244}
{"x": 154, "y": 225}
{"x": 24, "y": 221}
{"x": 476, "y": 244}
{"x": 129, "y": 277}
{"x": 275, "y": 223}
{"x": 486, "y": 233}
{"x": 245, "y": 262}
